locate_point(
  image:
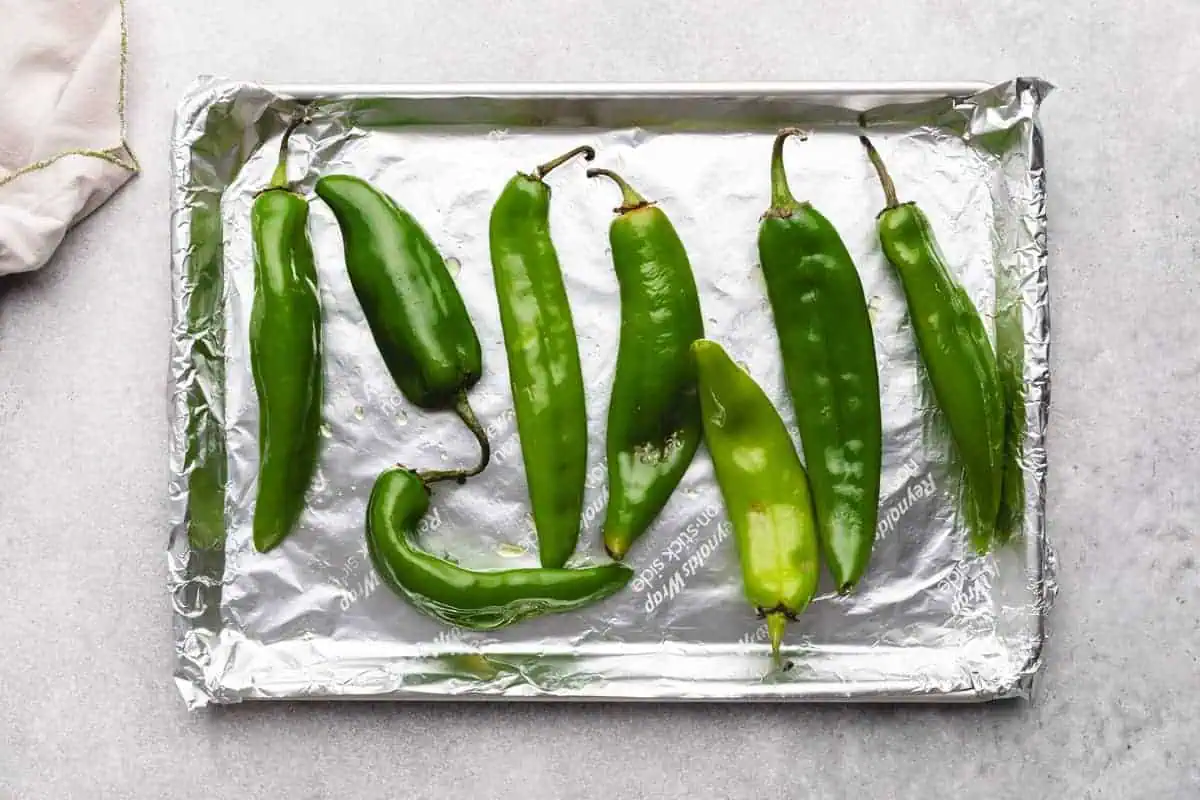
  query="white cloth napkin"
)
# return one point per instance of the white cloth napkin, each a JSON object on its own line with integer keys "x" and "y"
{"x": 62, "y": 121}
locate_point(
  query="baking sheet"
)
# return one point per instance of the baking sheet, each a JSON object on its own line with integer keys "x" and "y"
{"x": 310, "y": 620}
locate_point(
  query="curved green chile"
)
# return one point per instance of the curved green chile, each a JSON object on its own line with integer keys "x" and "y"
{"x": 828, "y": 351}
{"x": 955, "y": 350}
{"x": 654, "y": 423}
{"x": 765, "y": 489}
{"x": 285, "y": 358}
{"x": 543, "y": 359}
{"x": 458, "y": 596}
{"x": 411, "y": 303}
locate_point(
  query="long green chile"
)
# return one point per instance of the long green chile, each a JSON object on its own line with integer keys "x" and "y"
{"x": 1010, "y": 357}
{"x": 828, "y": 350}
{"x": 955, "y": 349}
{"x": 654, "y": 426}
{"x": 285, "y": 356}
{"x": 764, "y": 487}
{"x": 543, "y": 358}
{"x": 412, "y": 305}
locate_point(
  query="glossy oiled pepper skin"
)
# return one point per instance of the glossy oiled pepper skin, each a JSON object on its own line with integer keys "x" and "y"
{"x": 765, "y": 490}
{"x": 458, "y": 596}
{"x": 543, "y": 359}
{"x": 956, "y": 352}
{"x": 654, "y": 424}
{"x": 411, "y": 303}
{"x": 285, "y": 358}
{"x": 828, "y": 351}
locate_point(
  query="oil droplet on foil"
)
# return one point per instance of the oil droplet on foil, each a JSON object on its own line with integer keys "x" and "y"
{"x": 359, "y": 412}
{"x": 453, "y": 266}
{"x": 507, "y": 550}
{"x": 326, "y": 431}
{"x": 401, "y": 417}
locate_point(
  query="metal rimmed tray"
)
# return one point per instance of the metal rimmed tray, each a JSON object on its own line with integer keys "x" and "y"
{"x": 931, "y": 622}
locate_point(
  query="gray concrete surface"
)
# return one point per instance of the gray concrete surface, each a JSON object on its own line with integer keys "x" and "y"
{"x": 87, "y": 706}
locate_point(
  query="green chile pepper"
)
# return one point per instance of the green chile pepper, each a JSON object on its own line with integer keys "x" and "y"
{"x": 285, "y": 356}
{"x": 765, "y": 490}
{"x": 654, "y": 423}
{"x": 1010, "y": 357}
{"x": 955, "y": 350}
{"x": 828, "y": 352}
{"x": 458, "y": 596}
{"x": 205, "y": 459}
{"x": 543, "y": 358}
{"x": 411, "y": 303}
{"x": 205, "y": 463}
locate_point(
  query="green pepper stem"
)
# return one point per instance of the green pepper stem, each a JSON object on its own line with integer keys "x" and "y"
{"x": 462, "y": 407}
{"x": 434, "y": 475}
{"x": 279, "y": 176}
{"x": 586, "y": 151}
{"x": 889, "y": 188}
{"x": 631, "y": 200}
{"x": 776, "y": 624}
{"x": 781, "y": 193}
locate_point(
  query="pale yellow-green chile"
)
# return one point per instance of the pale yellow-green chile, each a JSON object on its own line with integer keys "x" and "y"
{"x": 765, "y": 489}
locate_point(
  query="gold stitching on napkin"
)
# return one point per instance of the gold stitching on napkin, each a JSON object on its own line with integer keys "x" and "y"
{"x": 112, "y": 155}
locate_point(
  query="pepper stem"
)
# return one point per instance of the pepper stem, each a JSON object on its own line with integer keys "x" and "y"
{"x": 462, "y": 407}
{"x": 889, "y": 188}
{"x": 586, "y": 151}
{"x": 630, "y": 199}
{"x": 279, "y": 176}
{"x": 776, "y": 625}
{"x": 434, "y": 475}
{"x": 781, "y": 193}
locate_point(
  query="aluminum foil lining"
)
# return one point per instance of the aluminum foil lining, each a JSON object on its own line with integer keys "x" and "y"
{"x": 930, "y": 622}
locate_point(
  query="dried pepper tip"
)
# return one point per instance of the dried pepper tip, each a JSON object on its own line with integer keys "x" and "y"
{"x": 776, "y": 625}
{"x": 889, "y": 188}
{"x": 584, "y": 150}
{"x": 631, "y": 200}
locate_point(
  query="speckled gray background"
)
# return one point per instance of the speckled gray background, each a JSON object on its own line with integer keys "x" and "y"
{"x": 87, "y": 707}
